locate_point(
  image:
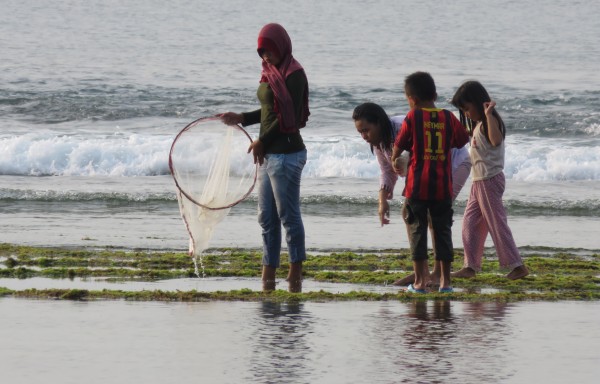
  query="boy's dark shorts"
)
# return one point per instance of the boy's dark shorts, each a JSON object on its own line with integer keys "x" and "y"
{"x": 417, "y": 214}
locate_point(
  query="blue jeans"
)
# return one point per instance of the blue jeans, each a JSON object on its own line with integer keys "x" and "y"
{"x": 279, "y": 203}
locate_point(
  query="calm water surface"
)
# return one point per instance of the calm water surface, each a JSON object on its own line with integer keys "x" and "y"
{"x": 350, "y": 342}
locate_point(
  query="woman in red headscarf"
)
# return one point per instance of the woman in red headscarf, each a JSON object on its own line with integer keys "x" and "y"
{"x": 280, "y": 151}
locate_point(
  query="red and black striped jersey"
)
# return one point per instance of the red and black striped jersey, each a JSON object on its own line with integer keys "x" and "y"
{"x": 429, "y": 134}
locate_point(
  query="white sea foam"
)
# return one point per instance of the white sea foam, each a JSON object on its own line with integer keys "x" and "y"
{"x": 593, "y": 129}
{"x": 41, "y": 154}
{"x": 551, "y": 159}
{"x": 46, "y": 153}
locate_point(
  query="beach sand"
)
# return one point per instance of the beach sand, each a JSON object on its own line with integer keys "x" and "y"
{"x": 165, "y": 230}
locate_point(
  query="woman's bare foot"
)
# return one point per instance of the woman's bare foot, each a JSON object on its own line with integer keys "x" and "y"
{"x": 518, "y": 273}
{"x": 405, "y": 280}
{"x": 465, "y": 273}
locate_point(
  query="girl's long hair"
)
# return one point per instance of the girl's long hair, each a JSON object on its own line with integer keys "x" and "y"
{"x": 374, "y": 114}
{"x": 473, "y": 92}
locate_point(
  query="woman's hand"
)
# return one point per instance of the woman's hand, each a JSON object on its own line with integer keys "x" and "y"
{"x": 231, "y": 118}
{"x": 258, "y": 151}
{"x": 384, "y": 208}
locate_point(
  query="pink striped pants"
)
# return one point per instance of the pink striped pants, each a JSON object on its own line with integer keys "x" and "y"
{"x": 485, "y": 214}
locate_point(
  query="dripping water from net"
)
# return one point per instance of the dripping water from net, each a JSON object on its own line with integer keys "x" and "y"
{"x": 198, "y": 261}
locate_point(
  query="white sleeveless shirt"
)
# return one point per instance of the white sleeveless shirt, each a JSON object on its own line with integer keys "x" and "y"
{"x": 487, "y": 161}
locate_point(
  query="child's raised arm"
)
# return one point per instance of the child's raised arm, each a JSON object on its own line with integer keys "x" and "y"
{"x": 494, "y": 131}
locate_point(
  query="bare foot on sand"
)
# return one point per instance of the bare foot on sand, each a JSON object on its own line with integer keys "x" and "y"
{"x": 405, "y": 280}
{"x": 432, "y": 280}
{"x": 518, "y": 273}
{"x": 465, "y": 273}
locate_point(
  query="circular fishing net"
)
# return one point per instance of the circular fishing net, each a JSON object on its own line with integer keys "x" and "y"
{"x": 210, "y": 163}
{"x": 213, "y": 172}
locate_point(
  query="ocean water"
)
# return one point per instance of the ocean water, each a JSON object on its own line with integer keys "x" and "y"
{"x": 93, "y": 93}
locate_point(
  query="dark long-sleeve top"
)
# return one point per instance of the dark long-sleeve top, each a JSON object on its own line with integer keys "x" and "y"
{"x": 272, "y": 138}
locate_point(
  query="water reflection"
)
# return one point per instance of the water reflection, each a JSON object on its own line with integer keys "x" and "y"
{"x": 280, "y": 344}
{"x": 334, "y": 342}
{"x": 438, "y": 341}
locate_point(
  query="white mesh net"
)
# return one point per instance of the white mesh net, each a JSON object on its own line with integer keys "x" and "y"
{"x": 213, "y": 172}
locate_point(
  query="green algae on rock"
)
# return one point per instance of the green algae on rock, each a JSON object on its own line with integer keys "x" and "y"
{"x": 555, "y": 274}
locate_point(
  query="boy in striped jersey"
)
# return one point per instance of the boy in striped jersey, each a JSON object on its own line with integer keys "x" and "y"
{"x": 429, "y": 134}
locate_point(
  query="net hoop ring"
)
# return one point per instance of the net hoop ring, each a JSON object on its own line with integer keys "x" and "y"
{"x": 171, "y": 166}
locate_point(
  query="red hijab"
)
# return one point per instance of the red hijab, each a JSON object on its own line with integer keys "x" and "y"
{"x": 273, "y": 37}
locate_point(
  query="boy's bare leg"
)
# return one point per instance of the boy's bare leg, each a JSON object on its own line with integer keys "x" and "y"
{"x": 434, "y": 278}
{"x": 518, "y": 273}
{"x": 421, "y": 273}
{"x": 435, "y": 275}
{"x": 444, "y": 277}
{"x": 465, "y": 273}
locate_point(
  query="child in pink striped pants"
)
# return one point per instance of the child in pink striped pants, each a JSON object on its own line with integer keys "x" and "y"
{"x": 485, "y": 212}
